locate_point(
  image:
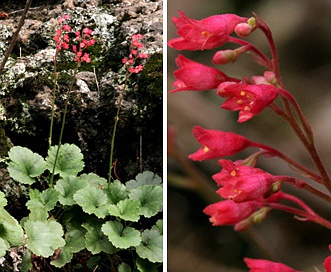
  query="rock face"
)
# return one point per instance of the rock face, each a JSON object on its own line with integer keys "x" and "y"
{"x": 26, "y": 83}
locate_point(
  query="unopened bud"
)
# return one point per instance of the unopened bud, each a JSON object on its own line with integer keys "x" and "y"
{"x": 243, "y": 29}
{"x": 224, "y": 56}
{"x": 259, "y": 80}
{"x": 270, "y": 77}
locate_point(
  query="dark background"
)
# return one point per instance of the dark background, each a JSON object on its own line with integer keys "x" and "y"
{"x": 302, "y": 32}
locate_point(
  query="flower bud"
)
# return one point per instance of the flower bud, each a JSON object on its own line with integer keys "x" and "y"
{"x": 243, "y": 30}
{"x": 225, "y": 56}
{"x": 259, "y": 80}
{"x": 270, "y": 77}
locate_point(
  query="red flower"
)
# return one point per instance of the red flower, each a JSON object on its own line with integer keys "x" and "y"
{"x": 195, "y": 76}
{"x": 264, "y": 265}
{"x": 327, "y": 262}
{"x": 242, "y": 183}
{"x": 207, "y": 33}
{"x": 228, "y": 212}
{"x": 250, "y": 100}
{"x": 217, "y": 144}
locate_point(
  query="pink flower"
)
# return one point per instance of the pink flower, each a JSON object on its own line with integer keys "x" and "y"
{"x": 66, "y": 28}
{"x": 242, "y": 183}
{"x": 250, "y": 100}
{"x": 195, "y": 76}
{"x": 264, "y": 265}
{"x": 86, "y": 58}
{"x": 217, "y": 144}
{"x": 136, "y": 69}
{"x": 327, "y": 262}
{"x": 87, "y": 31}
{"x": 207, "y": 33}
{"x": 142, "y": 56}
{"x": 228, "y": 212}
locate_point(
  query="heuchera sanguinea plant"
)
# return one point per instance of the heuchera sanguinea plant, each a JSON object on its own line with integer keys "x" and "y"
{"x": 250, "y": 193}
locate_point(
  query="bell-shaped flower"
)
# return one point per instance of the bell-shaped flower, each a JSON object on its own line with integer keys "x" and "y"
{"x": 327, "y": 262}
{"x": 243, "y": 183}
{"x": 195, "y": 76}
{"x": 228, "y": 212}
{"x": 265, "y": 265}
{"x": 217, "y": 144}
{"x": 248, "y": 99}
{"x": 208, "y": 33}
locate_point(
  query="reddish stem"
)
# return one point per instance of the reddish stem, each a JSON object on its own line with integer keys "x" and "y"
{"x": 277, "y": 153}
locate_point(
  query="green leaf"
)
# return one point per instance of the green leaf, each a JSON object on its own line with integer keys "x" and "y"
{"x": 119, "y": 236}
{"x": 150, "y": 197}
{"x": 124, "y": 267}
{"x": 116, "y": 192}
{"x": 75, "y": 239}
{"x": 10, "y": 229}
{"x": 93, "y": 201}
{"x": 127, "y": 209}
{"x": 25, "y": 165}
{"x": 69, "y": 161}
{"x": 143, "y": 265}
{"x": 43, "y": 238}
{"x": 145, "y": 178}
{"x": 75, "y": 242}
{"x": 95, "y": 240}
{"x": 67, "y": 187}
{"x": 38, "y": 214}
{"x": 158, "y": 226}
{"x": 94, "y": 262}
{"x": 94, "y": 180}
{"x": 151, "y": 246}
{"x": 47, "y": 199}
{"x": 4, "y": 246}
{"x": 64, "y": 257}
{"x": 26, "y": 264}
{"x": 3, "y": 200}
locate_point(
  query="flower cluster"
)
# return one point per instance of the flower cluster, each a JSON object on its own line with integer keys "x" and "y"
{"x": 135, "y": 54}
{"x": 81, "y": 41}
{"x": 250, "y": 193}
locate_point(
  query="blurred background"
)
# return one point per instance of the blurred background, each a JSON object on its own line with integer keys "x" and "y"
{"x": 302, "y": 32}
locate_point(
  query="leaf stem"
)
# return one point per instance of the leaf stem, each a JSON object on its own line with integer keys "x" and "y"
{"x": 63, "y": 122}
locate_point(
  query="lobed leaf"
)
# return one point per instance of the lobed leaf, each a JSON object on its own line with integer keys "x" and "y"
{"x": 96, "y": 241}
{"x": 150, "y": 198}
{"x": 124, "y": 267}
{"x": 93, "y": 180}
{"x": 64, "y": 257}
{"x": 47, "y": 199}
{"x": 119, "y": 236}
{"x": 25, "y": 165}
{"x": 151, "y": 247}
{"x": 67, "y": 187}
{"x": 158, "y": 226}
{"x": 143, "y": 265}
{"x": 43, "y": 238}
{"x": 144, "y": 178}
{"x": 3, "y": 200}
{"x": 92, "y": 200}
{"x": 4, "y": 246}
{"x": 127, "y": 209}
{"x": 69, "y": 161}
{"x": 116, "y": 192}
{"x": 10, "y": 229}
